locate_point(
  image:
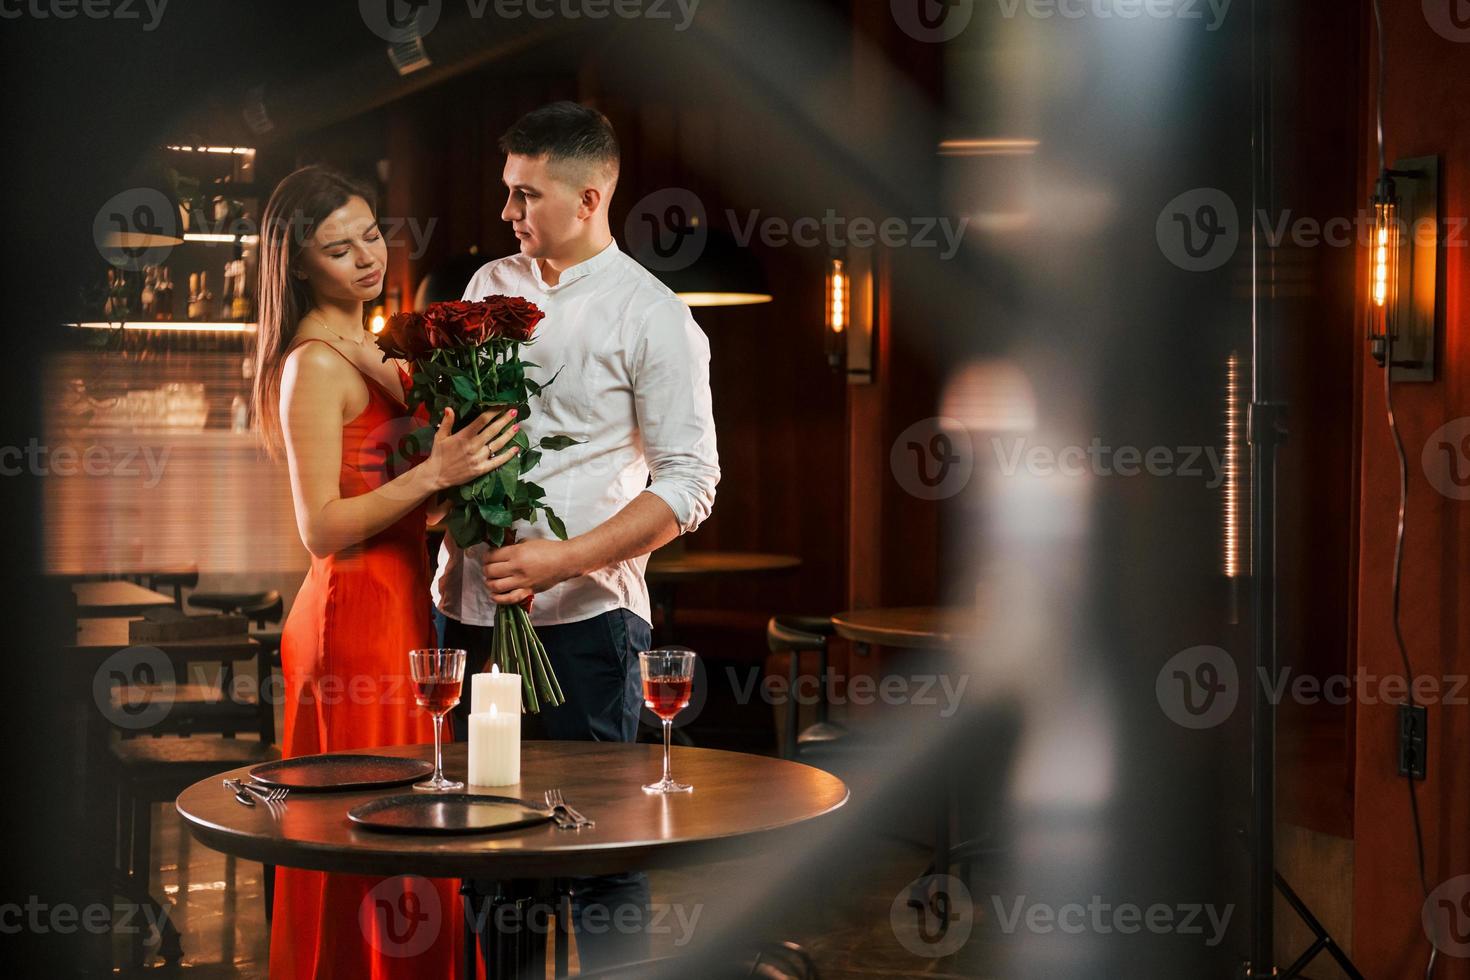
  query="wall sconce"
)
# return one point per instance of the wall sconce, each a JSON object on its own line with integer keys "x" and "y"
{"x": 1403, "y": 264}
{"x": 849, "y": 315}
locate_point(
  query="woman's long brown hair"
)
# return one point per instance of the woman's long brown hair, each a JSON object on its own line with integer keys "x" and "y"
{"x": 300, "y": 202}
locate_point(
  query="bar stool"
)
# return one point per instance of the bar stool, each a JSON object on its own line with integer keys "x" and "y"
{"x": 151, "y": 771}
{"x": 795, "y": 635}
{"x": 178, "y": 581}
{"x": 265, "y": 609}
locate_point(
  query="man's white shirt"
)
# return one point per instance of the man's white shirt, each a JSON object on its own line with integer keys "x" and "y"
{"x": 634, "y": 391}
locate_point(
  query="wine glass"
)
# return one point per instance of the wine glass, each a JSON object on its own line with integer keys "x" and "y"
{"x": 437, "y": 675}
{"x": 668, "y": 678}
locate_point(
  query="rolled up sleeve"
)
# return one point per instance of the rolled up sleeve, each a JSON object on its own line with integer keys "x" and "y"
{"x": 670, "y": 372}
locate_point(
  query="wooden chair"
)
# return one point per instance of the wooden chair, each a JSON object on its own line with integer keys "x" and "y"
{"x": 794, "y": 635}
{"x": 151, "y": 771}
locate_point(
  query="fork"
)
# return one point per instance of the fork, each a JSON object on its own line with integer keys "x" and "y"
{"x": 269, "y": 795}
{"x": 555, "y": 799}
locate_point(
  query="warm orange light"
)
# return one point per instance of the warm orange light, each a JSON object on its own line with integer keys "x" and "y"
{"x": 839, "y": 294}
{"x": 181, "y": 326}
{"x": 1383, "y": 267}
{"x": 1234, "y": 517}
{"x": 379, "y": 321}
{"x": 994, "y": 146}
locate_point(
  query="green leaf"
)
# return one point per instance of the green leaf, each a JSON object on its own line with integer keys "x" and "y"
{"x": 496, "y": 536}
{"x": 522, "y": 440}
{"x": 529, "y": 458}
{"x": 553, "y": 378}
{"x": 510, "y": 474}
{"x": 557, "y": 527}
{"x": 533, "y": 491}
{"x": 496, "y": 516}
{"x": 465, "y": 526}
{"x": 559, "y": 442}
{"x": 465, "y": 388}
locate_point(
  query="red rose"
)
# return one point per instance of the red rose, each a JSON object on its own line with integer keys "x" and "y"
{"x": 515, "y": 316}
{"x": 405, "y": 336}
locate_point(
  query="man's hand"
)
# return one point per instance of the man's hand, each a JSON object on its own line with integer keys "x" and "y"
{"x": 518, "y": 570}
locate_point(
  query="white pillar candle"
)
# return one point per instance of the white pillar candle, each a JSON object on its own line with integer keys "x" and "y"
{"x": 495, "y": 748}
{"x": 501, "y": 690}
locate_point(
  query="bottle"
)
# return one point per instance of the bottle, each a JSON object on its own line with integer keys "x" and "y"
{"x": 149, "y": 296}
{"x": 226, "y": 301}
{"x": 239, "y": 415}
{"x": 207, "y": 309}
{"x": 194, "y": 297}
{"x": 244, "y": 309}
{"x": 164, "y": 294}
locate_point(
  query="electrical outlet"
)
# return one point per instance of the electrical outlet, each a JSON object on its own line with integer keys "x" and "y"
{"x": 1413, "y": 740}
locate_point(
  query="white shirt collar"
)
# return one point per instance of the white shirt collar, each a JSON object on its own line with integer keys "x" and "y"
{"x": 584, "y": 268}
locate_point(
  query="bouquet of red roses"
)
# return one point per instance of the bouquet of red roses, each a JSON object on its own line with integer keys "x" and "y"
{"x": 466, "y": 356}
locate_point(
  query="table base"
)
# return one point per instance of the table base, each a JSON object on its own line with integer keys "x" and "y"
{"x": 517, "y": 918}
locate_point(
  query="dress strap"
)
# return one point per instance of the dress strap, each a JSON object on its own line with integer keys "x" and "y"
{"x": 398, "y": 400}
{"x": 318, "y": 340}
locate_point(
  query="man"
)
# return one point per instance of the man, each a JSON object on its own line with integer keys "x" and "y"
{"x": 634, "y": 391}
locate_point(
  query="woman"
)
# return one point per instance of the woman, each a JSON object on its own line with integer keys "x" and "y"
{"x": 327, "y": 398}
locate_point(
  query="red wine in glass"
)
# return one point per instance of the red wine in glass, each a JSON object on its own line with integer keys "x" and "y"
{"x": 437, "y": 695}
{"x": 437, "y": 675}
{"x": 667, "y": 696}
{"x": 668, "y": 680}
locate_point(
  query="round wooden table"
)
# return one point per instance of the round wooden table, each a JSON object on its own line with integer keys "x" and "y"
{"x": 737, "y": 798}
{"x": 739, "y": 802}
{"x": 666, "y": 572}
{"x": 910, "y": 627}
{"x": 116, "y": 598}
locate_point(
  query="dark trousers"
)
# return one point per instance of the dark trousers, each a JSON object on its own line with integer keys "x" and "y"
{"x": 596, "y": 663}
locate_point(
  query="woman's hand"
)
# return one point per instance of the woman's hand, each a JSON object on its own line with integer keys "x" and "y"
{"x": 461, "y": 457}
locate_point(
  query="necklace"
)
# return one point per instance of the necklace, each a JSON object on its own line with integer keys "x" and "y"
{"x": 346, "y": 340}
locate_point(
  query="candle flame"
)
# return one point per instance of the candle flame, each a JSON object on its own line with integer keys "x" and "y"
{"x": 494, "y": 668}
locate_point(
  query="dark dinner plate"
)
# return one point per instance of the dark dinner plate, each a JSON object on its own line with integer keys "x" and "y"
{"x": 326, "y": 773}
{"x": 446, "y": 813}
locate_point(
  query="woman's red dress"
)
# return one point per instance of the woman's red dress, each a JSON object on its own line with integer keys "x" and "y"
{"x": 344, "y": 657}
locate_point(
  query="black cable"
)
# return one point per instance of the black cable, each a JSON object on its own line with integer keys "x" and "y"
{"x": 1398, "y": 635}
{"x": 1398, "y": 547}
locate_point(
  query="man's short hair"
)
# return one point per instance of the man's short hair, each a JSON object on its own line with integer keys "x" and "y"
{"x": 570, "y": 134}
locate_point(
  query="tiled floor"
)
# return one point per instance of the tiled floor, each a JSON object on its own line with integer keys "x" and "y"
{"x": 844, "y": 919}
